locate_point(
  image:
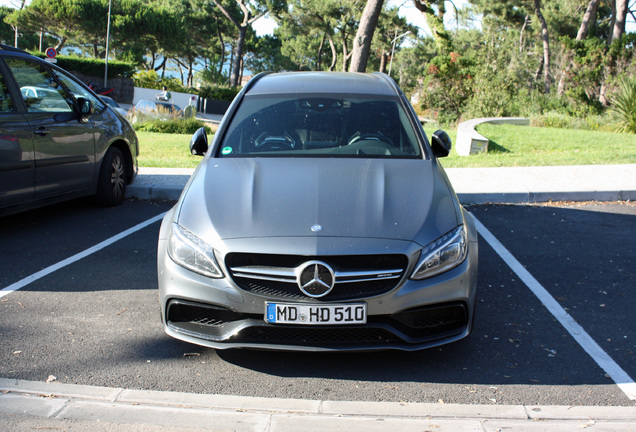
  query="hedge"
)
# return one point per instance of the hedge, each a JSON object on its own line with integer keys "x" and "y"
{"x": 93, "y": 67}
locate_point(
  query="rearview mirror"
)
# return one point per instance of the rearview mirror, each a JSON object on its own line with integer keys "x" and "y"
{"x": 441, "y": 143}
{"x": 199, "y": 142}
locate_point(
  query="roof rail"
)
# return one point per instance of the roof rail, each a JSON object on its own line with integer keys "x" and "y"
{"x": 10, "y": 48}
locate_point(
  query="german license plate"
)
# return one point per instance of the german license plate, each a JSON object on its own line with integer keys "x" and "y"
{"x": 296, "y": 313}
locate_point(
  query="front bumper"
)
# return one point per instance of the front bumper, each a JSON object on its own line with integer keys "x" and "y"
{"x": 219, "y": 327}
{"x": 414, "y": 315}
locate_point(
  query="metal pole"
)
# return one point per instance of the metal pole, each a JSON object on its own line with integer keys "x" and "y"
{"x": 107, "y": 38}
{"x": 393, "y": 48}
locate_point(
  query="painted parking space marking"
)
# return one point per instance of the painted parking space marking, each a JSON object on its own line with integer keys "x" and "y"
{"x": 81, "y": 255}
{"x": 611, "y": 368}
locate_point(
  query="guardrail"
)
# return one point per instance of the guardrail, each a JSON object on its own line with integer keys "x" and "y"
{"x": 469, "y": 141}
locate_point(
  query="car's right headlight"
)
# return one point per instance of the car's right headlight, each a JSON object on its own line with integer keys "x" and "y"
{"x": 189, "y": 251}
{"x": 443, "y": 254}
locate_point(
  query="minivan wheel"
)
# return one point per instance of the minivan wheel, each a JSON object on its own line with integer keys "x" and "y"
{"x": 111, "y": 185}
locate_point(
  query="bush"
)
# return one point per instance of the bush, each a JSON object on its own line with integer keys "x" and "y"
{"x": 92, "y": 67}
{"x": 559, "y": 120}
{"x": 448, "y": 87}
{"x": 219, "y": 92}
{"x": 175, "y": 126}
{"x": 150, "y": 79}
{"x": 624, "y": 105}
{"x": 493, "y": 96}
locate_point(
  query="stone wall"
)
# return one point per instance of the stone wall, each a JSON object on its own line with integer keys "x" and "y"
{"x": 123, "y": 88}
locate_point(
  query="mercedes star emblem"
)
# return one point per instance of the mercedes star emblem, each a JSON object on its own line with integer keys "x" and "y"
{"x": 315, "y": 279}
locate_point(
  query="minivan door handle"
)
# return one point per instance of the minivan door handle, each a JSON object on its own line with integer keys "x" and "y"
{"x": 41, "y": 131}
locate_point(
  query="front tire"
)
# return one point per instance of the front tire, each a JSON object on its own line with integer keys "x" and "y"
{"x": 111, "y": 185}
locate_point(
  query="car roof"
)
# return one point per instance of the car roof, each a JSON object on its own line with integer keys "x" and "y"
{"x": 322, "y": 82}
{"x": 4, "y": 47}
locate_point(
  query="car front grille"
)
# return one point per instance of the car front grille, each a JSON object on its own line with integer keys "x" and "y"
{"x": 412, "y": 326}
{"x": 357, "y": 276}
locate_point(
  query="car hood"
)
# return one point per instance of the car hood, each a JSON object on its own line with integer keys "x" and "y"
{"x": 401, "y": 199}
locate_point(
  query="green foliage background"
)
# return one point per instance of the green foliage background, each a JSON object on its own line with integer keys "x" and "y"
{"x": 460, "y": 70}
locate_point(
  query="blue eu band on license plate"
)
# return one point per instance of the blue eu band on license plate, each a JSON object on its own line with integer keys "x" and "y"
{"x": 312, "y": 314}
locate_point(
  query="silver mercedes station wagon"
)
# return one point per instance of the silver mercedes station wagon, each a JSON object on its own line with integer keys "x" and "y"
{"x": 318, "y": 219}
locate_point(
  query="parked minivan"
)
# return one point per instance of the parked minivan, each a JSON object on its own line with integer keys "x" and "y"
{"x": 58, "y": 139}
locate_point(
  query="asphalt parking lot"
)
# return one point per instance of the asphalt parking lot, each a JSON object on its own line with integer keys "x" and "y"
{"x": 94, "y": 319}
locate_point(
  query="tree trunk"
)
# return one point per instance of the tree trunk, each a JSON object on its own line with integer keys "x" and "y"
{"x": 23, "y": 2}
{"x": 190, "y": 79}
{"x": 222, "y": 43}
{"x": 231, "y": 63}
{"x": 60, "y": 45}
{"x": 537, "y": 74}
{"x": 334, "y": 54}
{"x": 435, "y": 21}
{"x": 523, "y": 29}
{"x": 242, "y": 29}
{"x": 619, "y": 21}
{"x": 346, "y": 55}
{"x": 161, "y": 66}
{"x": 238, "y": 56}
{"x": 383, "y": 62}
{"x": 319, "y": 62}
{"x": 364, "y": 35}
{"x": 590, "y": 12}
{"x": 618, "y": 30}
{"x": 546, "y": 46}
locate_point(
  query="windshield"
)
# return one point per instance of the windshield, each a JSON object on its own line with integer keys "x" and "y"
{"x": 320, "y": 126}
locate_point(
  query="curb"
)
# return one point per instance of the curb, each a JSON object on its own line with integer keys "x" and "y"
{"x": 71, "y": 402}
{"x": 509, "y": 185}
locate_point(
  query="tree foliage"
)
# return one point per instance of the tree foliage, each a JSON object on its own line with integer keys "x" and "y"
{"x": 565, "y": 56}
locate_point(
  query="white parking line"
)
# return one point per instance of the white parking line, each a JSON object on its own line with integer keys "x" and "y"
{"x": 620, "y": 377}
{"x": 68, "y": 261}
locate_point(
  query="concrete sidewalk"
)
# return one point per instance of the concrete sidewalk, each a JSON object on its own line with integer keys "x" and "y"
{"x": 472, "y": 185}
{"x": 28, "y": 405}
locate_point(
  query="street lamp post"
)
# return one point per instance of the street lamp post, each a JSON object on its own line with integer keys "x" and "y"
{"x": 393, "y": 48}
{"x": 107, "y": 38}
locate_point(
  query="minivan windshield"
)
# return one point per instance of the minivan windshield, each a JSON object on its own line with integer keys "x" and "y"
{"x": 320, "y": 126}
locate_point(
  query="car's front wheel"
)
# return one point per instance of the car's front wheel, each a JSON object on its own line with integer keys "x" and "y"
{"x": 111, "y": 185}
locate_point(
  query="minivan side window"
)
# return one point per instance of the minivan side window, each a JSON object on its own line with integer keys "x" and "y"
{"x": 40, "y": 91}
{"x": 6, "y": 103}
{"x": 79, "y": 91}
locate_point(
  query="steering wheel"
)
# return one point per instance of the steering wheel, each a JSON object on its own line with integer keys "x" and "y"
{"x": 377, "y": 136}
{"x": 269, "y": 142}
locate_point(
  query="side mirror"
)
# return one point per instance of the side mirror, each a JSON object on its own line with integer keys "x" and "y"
{"x": 86, "y": 107}
{"x": 199, "y": 142}
{"x": 441, "y": 143}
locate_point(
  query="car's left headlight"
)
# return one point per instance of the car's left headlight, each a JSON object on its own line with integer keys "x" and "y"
{"x": 189, "y": 251}
{"x": 443, "y": 254}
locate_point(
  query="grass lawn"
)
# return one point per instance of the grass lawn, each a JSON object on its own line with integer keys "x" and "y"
{"x": 509, "y": 145}
{"x": 512, "y": 145}
{"x": 159, "y": 150}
